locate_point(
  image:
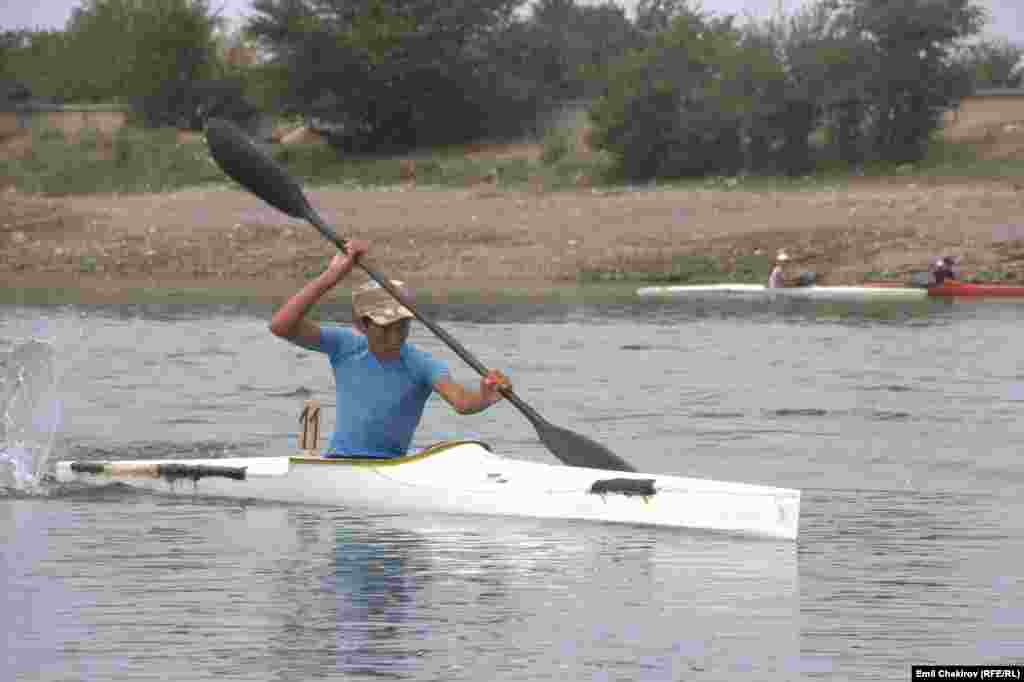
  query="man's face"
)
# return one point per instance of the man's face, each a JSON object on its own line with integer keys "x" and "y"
{"x": 387, "y": 339}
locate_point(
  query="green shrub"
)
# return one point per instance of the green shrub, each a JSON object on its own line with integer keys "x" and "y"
{"x": 87, "y": 264}
{"x": 689, "y": 270}
{"x": 989, "y": 276}
{"x": 752, "y": 269}
{"x": 557, "y": 144}
{"x": 884, "y": 276}
{"x": 89, "y": 140}
{"x": 694, "y": 270}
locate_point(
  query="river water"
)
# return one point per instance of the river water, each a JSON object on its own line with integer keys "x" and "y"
{"x": 900, "y": 425}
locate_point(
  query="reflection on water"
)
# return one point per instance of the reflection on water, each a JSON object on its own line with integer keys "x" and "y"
{"x": 375, "y": 588}
{"x": 361, "y": 615}
{"x": 141, "y": 587}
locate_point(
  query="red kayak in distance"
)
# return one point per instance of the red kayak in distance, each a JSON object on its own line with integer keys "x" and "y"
{"x": 957, "y": 289}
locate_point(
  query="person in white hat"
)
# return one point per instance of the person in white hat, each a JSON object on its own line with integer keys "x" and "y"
{"x": 777, "y": 278}
{"x": 382, "y": 382}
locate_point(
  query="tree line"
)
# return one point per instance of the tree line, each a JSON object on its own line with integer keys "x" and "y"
{"x": 671, "y": 91}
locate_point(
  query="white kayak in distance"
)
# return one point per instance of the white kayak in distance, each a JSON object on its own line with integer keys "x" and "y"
{"x": 762, "y": 292}
{"x": 465, "y": 477}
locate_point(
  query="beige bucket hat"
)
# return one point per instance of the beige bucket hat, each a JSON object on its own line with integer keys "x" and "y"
{"x": 373, "y": 301}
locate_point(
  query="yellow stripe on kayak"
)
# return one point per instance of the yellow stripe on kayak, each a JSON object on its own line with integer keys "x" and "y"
{"x": 388, "y": 461}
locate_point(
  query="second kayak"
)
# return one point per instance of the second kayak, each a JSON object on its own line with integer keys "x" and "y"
{"x": 955, "y": 289}
{"x": 760, "y": 291}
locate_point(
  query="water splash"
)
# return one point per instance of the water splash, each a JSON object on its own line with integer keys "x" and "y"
{"x": 30, "y": 413}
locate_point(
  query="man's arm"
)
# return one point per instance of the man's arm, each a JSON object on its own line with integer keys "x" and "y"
{"x": 468, "y": 401}
{"x": 289, "y": 322}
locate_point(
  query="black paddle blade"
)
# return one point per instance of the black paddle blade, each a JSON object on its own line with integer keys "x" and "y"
{"x": 251, "y": 167}
{"x": 579, "y": 451}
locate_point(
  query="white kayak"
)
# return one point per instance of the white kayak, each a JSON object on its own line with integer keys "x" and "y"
{"x": 465, "y": 477}
{"x": 760, "y": 291}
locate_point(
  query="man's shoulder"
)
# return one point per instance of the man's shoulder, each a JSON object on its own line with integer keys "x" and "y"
{"x": 420, "y": 358}
{"x": 341, "y": 331}
{"x": 413, "y": 349}
{"x": 336, "y": 339}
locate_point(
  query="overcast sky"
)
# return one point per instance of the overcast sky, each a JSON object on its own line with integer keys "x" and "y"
{"x": 1007, "y": 16}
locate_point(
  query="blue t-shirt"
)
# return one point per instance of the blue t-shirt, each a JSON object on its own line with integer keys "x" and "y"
{"x": 379, "y": 404}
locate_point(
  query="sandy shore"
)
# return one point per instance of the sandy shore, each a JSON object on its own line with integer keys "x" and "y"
{"x": 108, "y": 248}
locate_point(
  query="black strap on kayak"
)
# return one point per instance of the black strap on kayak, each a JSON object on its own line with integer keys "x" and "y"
{"x": 630, "y": 487}
{"x": 194, "y": 472}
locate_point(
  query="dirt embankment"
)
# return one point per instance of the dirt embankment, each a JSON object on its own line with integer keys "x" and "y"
{"x": 490, "y": 239}
{"x": 493, "y": 240}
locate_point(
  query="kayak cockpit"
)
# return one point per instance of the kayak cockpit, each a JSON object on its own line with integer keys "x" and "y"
{"x": 361, "y": 460}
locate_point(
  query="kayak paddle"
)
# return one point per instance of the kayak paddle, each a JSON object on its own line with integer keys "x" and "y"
{"x": 255, "y": 170}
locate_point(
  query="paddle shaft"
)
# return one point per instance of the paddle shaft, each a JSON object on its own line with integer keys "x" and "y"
{"x": 330, "y": 235}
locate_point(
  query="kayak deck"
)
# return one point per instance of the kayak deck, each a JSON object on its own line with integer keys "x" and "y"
{"x": 465, "y": 477}
{"x": 761, "y": 291}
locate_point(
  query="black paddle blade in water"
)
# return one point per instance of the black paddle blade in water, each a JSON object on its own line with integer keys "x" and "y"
{"x": 578, "y": 450}
{"x": 251, "y": 167}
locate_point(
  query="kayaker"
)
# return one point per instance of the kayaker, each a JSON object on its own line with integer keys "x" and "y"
{"x": 382, "y": 382}
{"x": 777, "y": 278}
{"x": 946, "y": 268}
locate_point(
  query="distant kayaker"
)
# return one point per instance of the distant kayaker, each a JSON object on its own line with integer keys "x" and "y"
{"x": 382, "y": 382}
{"x": 777, "y": 278}
{"x": 945, "y": 268}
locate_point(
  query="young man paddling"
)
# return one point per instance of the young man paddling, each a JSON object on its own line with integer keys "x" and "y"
{"x": 382, "y": 382}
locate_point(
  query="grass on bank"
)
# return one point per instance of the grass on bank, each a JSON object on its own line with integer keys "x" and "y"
{"x": 450, "y": 168}
{"x": 130, "y": 161}
{"x": 749, "y": 269}
{"x": 135, "y": 160}
{"x": 560, "y": 167}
